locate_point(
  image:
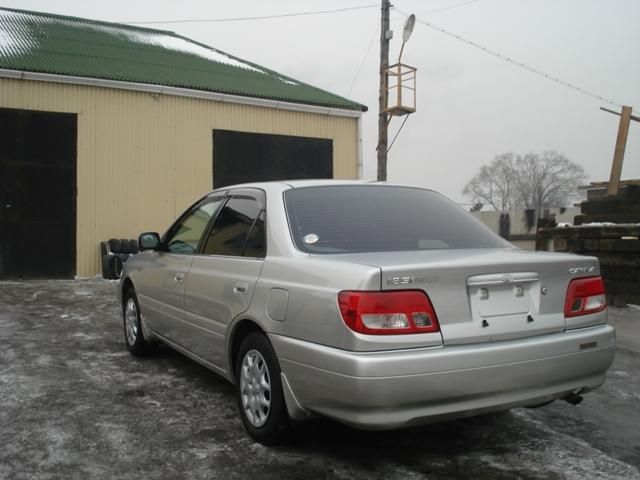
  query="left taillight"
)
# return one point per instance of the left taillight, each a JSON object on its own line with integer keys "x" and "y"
{"x": 585, "y": 296}
{"x": 388, "y": 313}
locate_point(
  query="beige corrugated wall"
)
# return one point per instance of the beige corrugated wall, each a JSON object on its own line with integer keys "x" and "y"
{"x": 142, "y": 158}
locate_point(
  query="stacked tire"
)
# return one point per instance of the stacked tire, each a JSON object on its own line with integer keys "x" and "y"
{"x": 115, "y": 253}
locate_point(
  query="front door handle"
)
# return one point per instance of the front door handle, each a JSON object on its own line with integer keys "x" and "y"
{"x": 179, "y": 278}
{"x": 241, "y": 288}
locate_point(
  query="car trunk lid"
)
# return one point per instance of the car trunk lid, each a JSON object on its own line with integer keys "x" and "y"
{"x": 482, "y": 295}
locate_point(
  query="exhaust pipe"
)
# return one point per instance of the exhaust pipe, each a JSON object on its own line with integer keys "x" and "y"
{"x": 573, "y": 398}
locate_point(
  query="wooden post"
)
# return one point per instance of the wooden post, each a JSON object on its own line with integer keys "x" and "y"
{"x": 384, "y": 82}
{"x": 618, "y": 155}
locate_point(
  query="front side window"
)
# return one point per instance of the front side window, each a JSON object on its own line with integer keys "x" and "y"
{"x": 233, "y": 230}
{"x": 185, "y": 236}
{"x": 380, "y": 218}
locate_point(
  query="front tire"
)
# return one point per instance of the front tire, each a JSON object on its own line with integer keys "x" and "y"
{"x": 259, "y": 391}
{"x": 133, "y": 335}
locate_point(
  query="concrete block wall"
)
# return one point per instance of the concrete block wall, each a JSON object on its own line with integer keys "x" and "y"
{"x": 622, "y": 208}
{"x": 522, "y": 226}
{"x": 616, "y": 246}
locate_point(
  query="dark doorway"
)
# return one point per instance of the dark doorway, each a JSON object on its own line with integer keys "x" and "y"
{"x": 37, "y": 194}
{"x": 240, "y": 157}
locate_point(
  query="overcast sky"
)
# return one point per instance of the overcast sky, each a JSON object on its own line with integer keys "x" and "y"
{"x": 471, "y": 106}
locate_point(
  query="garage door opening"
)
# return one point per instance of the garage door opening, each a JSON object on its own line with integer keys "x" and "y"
{"x": 37, "y": 194}
{"x": 240, "y": 157}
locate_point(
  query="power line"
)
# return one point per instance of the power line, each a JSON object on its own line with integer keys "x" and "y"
{"x": 364, "y": 60}
{"x": 445, "y": 8}
{"x": 366, "y": 55}
{"x": 514, "y": 62}
{"x": 265, "y": 17}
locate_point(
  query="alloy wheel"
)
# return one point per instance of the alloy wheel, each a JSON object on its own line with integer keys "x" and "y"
{"x": 255, "y": 388}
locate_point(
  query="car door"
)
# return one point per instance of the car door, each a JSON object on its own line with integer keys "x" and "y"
{"x": 222, "y": 279}
{"x": 162, "y": 298}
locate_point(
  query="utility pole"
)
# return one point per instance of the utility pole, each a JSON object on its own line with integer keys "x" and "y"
{"x": 621, "y": 143}
{"x": 383, "y": 116}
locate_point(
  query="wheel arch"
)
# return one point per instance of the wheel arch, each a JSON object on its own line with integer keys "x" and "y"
{"x": 239, "y": 332}
{"x": 126, "y": 285}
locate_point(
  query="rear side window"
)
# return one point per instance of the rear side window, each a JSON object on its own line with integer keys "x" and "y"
{"x": 377, "y": 218}
{"x": 257, "y": 241}
{"x": 233, "y": 228}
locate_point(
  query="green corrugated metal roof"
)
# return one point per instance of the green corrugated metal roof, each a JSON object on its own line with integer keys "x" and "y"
{"x": 46, "y": 43}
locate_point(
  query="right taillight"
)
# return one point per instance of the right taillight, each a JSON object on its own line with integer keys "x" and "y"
{"x": 388, "y": 313}
{"x": 585, "y": 296}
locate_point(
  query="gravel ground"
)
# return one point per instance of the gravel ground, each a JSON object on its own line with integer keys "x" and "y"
{"x": 75, "y": 404}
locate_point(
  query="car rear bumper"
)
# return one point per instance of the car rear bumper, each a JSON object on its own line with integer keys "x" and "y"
{"x": 389, "y": 389}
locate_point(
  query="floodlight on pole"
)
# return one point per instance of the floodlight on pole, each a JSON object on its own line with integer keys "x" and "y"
{"x": 401, "y": 80}
{"x": 404, "y": 78}
{"x": 409, "y": 23}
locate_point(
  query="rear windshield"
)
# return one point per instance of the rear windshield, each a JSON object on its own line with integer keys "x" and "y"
{"x": 380, "y": 218}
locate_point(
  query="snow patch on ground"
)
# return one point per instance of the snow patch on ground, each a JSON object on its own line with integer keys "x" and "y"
{"x": 83, "y": 293}
{"x": 200, "y": 453}
{"x": 44, "y": 361}
{"x": 84, "y": 336}
{"x": 555, "y": 454}
{"x": 57, "y": 441}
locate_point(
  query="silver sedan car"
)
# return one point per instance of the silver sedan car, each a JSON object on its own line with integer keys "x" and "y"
{"x": 378, "y": 305}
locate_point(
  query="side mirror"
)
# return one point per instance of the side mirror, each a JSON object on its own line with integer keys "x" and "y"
{"x": 149, "y": 241}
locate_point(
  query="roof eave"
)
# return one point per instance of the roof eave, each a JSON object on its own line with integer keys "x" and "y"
{"x": 184, "y": 92}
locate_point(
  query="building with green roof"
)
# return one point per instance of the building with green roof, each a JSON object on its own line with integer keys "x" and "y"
{"x": 109, "y": 129}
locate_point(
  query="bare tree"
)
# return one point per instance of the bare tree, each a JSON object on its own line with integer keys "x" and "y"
{"x": 495, "y": 184}
{"x": 530, "y": 181}
{"x": 548, "y": 180}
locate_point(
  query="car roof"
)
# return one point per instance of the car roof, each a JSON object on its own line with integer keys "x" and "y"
{"x": 282, "y": 185}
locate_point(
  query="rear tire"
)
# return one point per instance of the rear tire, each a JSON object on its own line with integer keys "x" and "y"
{"x": 133, "y": 335}
{"x": 259, "y": 391}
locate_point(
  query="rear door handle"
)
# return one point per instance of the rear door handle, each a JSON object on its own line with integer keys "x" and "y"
{"x": 179, "y": 278}
{"x": 241, "y": 288}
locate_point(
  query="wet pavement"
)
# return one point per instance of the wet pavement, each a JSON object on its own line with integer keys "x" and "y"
{"x": 75, "y": 404}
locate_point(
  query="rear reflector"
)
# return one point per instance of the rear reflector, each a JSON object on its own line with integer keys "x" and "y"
{"x": 585, "y": 296}
{"x": 388, "y": 313}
